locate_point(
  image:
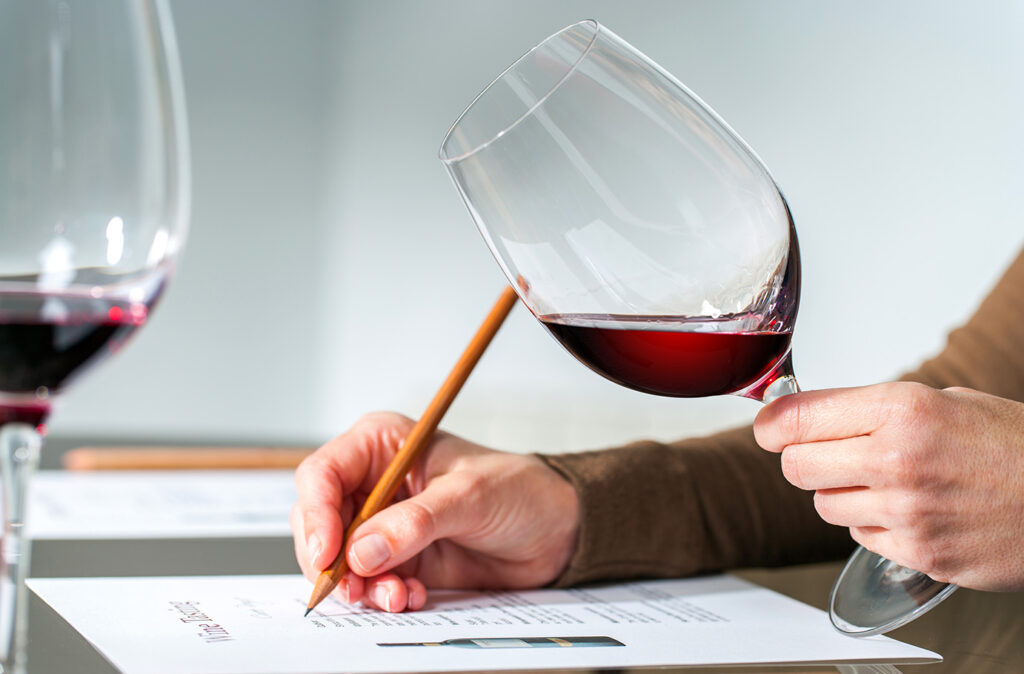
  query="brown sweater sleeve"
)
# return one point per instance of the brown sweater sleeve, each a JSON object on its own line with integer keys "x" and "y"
{"x": 720, "y": 502}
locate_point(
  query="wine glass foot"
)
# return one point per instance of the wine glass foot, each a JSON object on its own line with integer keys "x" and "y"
{"x": 874, "y": 595}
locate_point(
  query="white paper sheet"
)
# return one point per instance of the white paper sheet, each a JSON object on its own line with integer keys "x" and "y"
{"x": 254, "y": 624}
{"x": 68, "y": 505}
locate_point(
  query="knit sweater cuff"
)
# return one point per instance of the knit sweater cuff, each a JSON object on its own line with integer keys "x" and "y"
{"x": 639, "y": 514}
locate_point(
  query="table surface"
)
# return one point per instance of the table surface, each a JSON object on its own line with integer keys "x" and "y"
{"x": 976, "y": 632}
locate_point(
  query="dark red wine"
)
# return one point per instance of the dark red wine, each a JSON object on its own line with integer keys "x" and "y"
{"x": 32, "y": 411}
{"x": 46, "y": 339}
{"x": 669, "y": 356}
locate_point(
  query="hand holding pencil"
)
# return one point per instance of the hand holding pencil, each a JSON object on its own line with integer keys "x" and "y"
{"x": 465, "y": 515}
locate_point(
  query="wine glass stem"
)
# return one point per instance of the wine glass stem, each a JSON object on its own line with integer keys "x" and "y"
{"x": 782, "y": 386}
{"x": 19, "y": 457}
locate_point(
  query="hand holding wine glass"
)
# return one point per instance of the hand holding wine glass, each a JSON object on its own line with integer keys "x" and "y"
{"x": 94, "y": 196}
{"x": 932, "y": 479}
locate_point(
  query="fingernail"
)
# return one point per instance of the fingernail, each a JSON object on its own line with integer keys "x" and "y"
{"x": 381, "y": 596}
{"x": 343, "y": 590}
{"x": 370, "y": 552}
{"x": 314, "y": 547}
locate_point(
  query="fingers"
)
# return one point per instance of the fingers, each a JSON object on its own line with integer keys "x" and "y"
{"x": 832, "y": 464}
{"x": 857, "y": 507}
{"x": 327, "y": 479}
{"x": 331, "y": 483}
{"x": 299, "y": 539}
{"x": 919, "y": 555}
{"x": 874, "y": 539}
{"x": 317, "y": 512}
{"x": 388, "y": 592}
{"x": 417, "y": 594}
{"x": 447, "y": 508}
{"x": 834, "y": 414}
{"x": 349, "y": 588}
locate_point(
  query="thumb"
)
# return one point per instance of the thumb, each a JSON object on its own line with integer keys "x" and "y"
{"x": 449, "y": 506}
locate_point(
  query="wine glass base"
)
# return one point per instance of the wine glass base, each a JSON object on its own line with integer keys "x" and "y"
{"x": 874, "y": 595}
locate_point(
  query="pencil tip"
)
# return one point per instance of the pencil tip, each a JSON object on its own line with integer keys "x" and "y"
{"x": 306, "y": 614}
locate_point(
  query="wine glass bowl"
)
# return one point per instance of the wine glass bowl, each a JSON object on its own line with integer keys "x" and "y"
{"x": 94, "y": 187}
{"x": 650, "y": 241}
{"x": 94, "y": 199}
{"x": 651, "y": 238}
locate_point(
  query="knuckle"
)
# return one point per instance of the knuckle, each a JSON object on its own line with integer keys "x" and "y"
{"x": 383, "y": 429}
{"x": 906, "y": 513}
{"x": 924, "y": 517}
{"x": 471, "y": 483}
{"x": 419, "y": 519}
{"x": 309, "y": 517}
{"x": 306, "y": 467}
{"x": 382, "y": 420}
{"x": 319, "y": 518}
{"x": 941, "y": 569}
{"x": 310, "y": 475}
{"x": 476, "y": 491}
{"x": 920, "y": 549}
{"x": 889, "y": 510}
{"x": 910, "y": 402}
{"x": 922, "y": 557}
{"x": 448, "y": 453}
{"x": 899, "y": 464}
{"x": 916, "y": 512}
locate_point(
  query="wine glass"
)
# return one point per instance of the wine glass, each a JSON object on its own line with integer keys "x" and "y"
{"x": 94, "y": 196}
{"x": 649, "y": 240}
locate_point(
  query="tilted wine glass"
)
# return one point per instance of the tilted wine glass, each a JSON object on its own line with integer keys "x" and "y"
{"x": 649, "y": 240}
{"x": 94, "y": 195}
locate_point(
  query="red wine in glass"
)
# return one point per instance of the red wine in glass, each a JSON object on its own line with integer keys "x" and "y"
{"x": 46, "y": 339}
{"x": 670, "y": 356}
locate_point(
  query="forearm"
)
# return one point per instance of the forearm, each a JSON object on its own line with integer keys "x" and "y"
{"x": 699, "y": 505}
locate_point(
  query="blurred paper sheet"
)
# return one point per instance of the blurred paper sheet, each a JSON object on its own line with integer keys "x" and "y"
{"x": 65, "y": 505}
{"x": 254, "y": 624}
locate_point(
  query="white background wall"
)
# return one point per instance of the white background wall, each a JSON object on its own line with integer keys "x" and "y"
{"x": 332, "y": 269}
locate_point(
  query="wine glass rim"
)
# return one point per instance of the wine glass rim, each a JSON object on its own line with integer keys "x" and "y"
{"x": 591, "y": 23}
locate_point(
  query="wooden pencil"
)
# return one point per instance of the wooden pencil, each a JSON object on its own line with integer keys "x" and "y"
{"x": 414, "y": 443}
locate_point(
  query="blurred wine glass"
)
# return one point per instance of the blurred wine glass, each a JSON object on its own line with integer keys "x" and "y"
{"x": 94, "y": 197}
{"x": 647, "y": 237}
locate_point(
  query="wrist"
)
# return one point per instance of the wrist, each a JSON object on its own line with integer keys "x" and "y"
{"x": 565, "y": 532}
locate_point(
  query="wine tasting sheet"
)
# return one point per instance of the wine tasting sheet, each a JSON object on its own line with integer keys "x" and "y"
{"x": 255, "y": 625}
{"x": 110, "y": 505}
